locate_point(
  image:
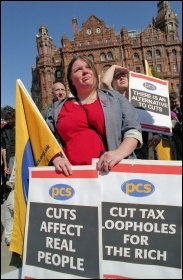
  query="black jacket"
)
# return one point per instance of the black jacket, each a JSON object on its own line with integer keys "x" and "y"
{"x": 8, "y": 140}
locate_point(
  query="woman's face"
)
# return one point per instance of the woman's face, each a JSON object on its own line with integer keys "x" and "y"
{"x": 82, "y": 75}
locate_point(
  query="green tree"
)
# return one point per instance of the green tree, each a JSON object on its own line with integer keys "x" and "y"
{"x": 154, "y": 72}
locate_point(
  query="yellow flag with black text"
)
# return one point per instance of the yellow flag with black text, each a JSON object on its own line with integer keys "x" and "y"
{"x": 35, "y": 146}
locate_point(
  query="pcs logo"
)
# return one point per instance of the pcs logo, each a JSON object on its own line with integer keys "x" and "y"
{"x": 149, "y": 86}
{"x": 137, "y": 188}
{"x": 61, "y": 192}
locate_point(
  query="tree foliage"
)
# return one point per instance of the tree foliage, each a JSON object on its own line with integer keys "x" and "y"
{"x": 154, "y": 72}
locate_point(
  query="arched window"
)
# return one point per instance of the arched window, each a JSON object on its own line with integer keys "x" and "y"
{"x": 159, "y": 68}
{"x": 137, "y": 69}
{"x": 49, "y": 77}
{"x": 158, "y": 54}
{"x": 91, "y": 57}
{"x": 109, "y": 56}
{"x": 149, "y": 54}
{"x": 175, "y": 68}
{"x": 45, "y": 49}
{"x": 135, "y": 56}
{"x": 174, "y": 53}
{"x": 170, "y": 26}
{"x": 102, "y": 57}
{"x": 58, "y": 74}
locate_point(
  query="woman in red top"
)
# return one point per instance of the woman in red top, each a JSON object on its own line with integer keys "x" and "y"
{"x": 73, "y": 123}
{"x": 93, "y": 121}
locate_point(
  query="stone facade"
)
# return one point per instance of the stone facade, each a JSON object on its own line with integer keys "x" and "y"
{"x": 159, "y": 43}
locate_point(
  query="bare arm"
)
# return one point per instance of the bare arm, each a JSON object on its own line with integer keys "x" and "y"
{"x": 108, "y": 76}
{"x": 3, "y": 156}
{"x": 6, "y": 169}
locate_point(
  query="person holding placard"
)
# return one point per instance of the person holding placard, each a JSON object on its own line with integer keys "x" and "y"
{"x": 116, "y": 77}
{"x": 93, "y": 123}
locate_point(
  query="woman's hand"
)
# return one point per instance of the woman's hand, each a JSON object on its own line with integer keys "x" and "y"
{"x": 62, "y": 165}
{"x": 108, "y": 160}
{"x": 111, "y": 158}
{"x": 154, "y": 140}
{"x": 6, "y": 169}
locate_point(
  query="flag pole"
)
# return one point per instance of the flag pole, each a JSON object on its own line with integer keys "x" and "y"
{"x": 150, "y": 134}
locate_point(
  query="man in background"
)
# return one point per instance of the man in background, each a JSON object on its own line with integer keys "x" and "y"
{"x": 175, "y": 106}
{"x": 58, "y": 93}
{"x": 176, "y": 117}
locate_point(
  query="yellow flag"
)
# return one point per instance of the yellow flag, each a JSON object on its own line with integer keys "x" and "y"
{"x": 35, "y": 146}
{"x": 148, "y": 69}
{"x": 150, "y": 150}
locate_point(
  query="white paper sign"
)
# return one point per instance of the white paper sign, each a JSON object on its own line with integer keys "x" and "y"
{"x": 150, "y": 97}
{"x": 141, "y": 220}
{"x": 122, "y": 224}
{"x": 62, "y": 227}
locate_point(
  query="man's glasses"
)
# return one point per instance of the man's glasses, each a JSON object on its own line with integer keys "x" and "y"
{"x": 120, "y": 75}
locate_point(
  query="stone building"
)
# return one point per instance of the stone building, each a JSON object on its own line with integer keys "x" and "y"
{"x": 159, "y": 43}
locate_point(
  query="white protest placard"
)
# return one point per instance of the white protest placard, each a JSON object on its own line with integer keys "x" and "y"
{"x": 141, "y": 220}
{"x": 150, "y": 97}
{"x": 62, "y": 238}
{"x": 122, "y": 224}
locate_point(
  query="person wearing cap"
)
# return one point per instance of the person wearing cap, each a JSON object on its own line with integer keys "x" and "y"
{"x": 116, "y": 77}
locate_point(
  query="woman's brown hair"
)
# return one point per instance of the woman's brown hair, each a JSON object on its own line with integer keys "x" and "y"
{"x": 69, "y": 70}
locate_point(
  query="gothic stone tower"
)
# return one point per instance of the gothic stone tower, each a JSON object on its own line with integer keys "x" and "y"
{"x": 159, "y": 43}
{"x": 48, "y": 69}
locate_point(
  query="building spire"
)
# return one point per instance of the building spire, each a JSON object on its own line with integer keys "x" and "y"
{"x": 166, "y": 19}
{"x": 74, "y": 25}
